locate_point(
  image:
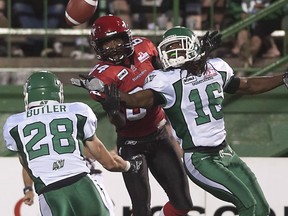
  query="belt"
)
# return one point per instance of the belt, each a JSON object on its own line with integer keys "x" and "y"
{"x": 62, "y": 183}
{"x": 207, "y": 149}
{"x": 141, "y": 140}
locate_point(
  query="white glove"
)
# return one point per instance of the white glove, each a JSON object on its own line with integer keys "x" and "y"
{"x": 88, "y": 82}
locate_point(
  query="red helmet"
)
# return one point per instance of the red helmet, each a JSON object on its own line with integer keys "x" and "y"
{"x": 108, "y": 28}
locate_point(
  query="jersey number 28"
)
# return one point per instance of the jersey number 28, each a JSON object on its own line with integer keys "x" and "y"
{"x": 60, "y": 131}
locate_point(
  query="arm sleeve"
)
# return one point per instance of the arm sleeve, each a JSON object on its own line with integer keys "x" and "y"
{"x": 9, "y": 141}
{"x": 232, "y": 85}
{"x": 162, "y": 89}
{"x": 89, "y": 121}
{"x": 159, "y": 100}
{"x": 227, "y": 74}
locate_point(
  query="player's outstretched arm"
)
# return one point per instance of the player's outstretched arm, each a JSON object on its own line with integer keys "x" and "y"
{"x": 260, "y": 84}
{"x": 111, "y": 162}
{"x": 143, "y": 98}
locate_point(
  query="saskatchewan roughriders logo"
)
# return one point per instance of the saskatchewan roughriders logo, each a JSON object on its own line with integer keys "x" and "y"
{"x": 149, "y": 78}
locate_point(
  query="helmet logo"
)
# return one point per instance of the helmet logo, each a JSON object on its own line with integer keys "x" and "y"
{"x": 124, "y": 24}
{"x": 43, "y": 102}
{"x": 93, "y": 32}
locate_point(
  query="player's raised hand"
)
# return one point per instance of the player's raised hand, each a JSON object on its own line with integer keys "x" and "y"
{"x": 111, "y": 103}
{"x": 210, "y": 41}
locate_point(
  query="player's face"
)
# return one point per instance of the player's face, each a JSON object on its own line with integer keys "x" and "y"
{"x": 113, "y": 43}
{"x": 175, "y": 46}
{"x": 114, "y": 49}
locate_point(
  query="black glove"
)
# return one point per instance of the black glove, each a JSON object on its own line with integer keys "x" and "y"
{"x": 111, "y": 103}
{"x": 88, "y": 82}
{"x": 210, "y": 42}
{"x": 135, "y": 163}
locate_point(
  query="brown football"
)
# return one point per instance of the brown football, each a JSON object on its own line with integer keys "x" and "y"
{"x": 80, "y": 11}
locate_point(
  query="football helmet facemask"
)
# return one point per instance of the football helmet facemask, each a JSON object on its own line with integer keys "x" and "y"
{"x": 108, "y": 28}
{"x": 41, "y": 87}
{"x": 189, "y": 49}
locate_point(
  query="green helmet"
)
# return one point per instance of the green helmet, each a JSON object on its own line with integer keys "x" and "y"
{"x": 176, "y": 57}
{"x": 41, "y": 87}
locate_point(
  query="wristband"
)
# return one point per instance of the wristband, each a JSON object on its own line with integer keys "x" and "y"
{"x": 27, "y": 188}
{"x": 285, "y": 79}
{"x": 127, "y": 167}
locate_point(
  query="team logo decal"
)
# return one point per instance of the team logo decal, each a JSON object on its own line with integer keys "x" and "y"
{"x": 130, "y": 142}
{"x": 211, "y": 72}
{"x": 189, "y": 79}
{"x": 195, "y": 80}
{"x": 123, "y": 73}
{"x": 133, "y": 68}
{"x": 149, "y": 78}
{"x": 143, "y": 56}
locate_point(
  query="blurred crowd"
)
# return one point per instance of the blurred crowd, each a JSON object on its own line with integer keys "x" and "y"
{"x": 146, "y": 14}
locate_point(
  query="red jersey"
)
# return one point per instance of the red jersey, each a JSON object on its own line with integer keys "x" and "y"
{"x": 139, "y": 121}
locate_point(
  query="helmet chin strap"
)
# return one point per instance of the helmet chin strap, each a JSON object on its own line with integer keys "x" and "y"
{"x": 118, "y": 60}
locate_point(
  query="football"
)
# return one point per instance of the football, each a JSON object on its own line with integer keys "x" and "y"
{"x": 80, "y": 11}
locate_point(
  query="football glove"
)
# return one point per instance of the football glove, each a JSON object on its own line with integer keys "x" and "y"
{"x": 111, "y": 103}
{"x": 210, "y": 42}
{"x": 285, "y": 79}
{"x": 88, "y": 82}
{"x": 135, "y": 163}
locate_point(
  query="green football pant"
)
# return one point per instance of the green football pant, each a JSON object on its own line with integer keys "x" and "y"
{"x": 227, "y": 177}
{"x": 80, "y": 198}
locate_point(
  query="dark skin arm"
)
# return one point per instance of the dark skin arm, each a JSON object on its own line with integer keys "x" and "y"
{"x": 257, "y": 85}
{"x": 142, "y": 99}
{"x": 248, "y": 86}
{"x": 117, "y": 119}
